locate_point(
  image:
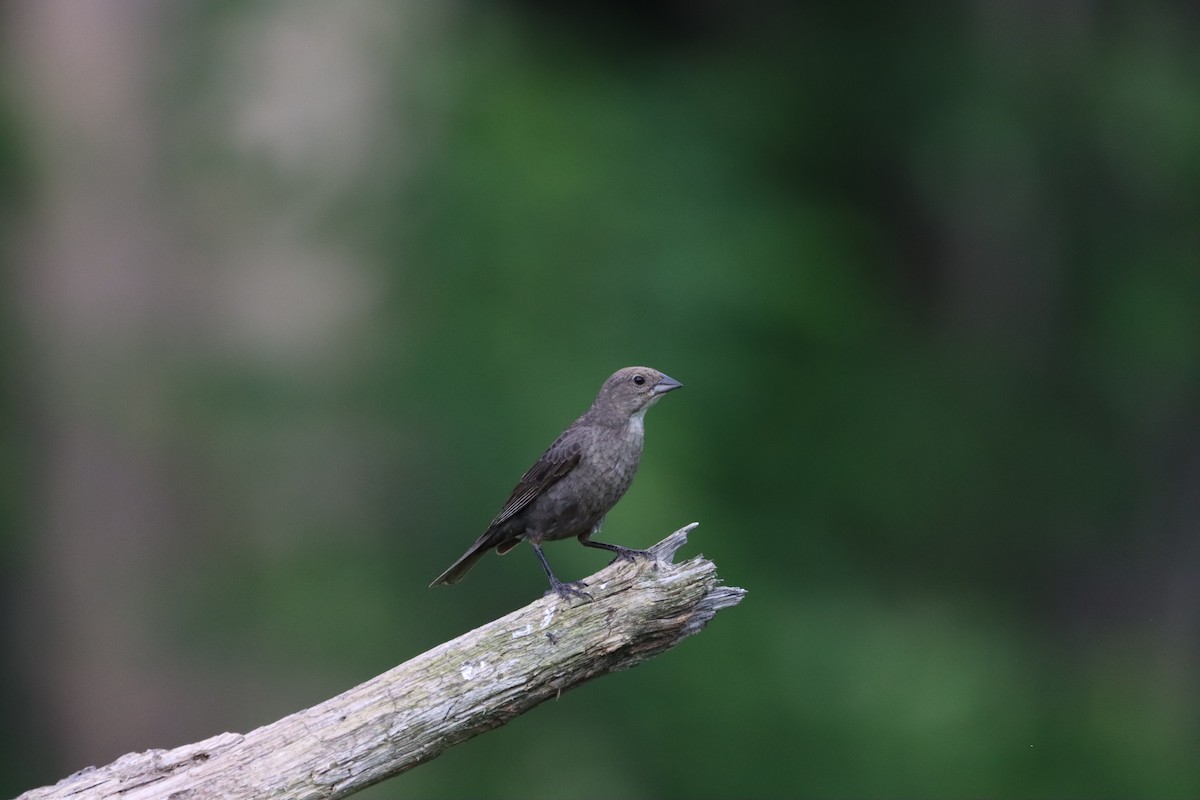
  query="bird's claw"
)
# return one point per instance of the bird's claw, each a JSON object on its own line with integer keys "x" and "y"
{"x": 568, "y": 590}
{"x": 629, "y": 554}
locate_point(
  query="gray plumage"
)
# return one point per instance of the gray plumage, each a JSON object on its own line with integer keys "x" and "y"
{"x": 579, "y": 478}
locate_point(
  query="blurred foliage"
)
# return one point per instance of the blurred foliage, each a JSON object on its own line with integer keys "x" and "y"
{"x": 930, "y": 280}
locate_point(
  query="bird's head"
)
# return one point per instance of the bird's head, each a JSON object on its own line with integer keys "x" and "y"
{"x": 630, "y": 391}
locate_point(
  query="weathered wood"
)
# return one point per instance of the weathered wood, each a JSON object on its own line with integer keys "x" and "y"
{"x": 446, "y": 695}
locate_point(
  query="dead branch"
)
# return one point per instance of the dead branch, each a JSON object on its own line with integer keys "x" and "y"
{"x": 416, "y": 710}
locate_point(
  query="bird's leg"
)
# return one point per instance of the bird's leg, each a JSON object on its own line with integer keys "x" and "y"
{"x": 624, "y": 553}
{"x": 564, "y": 590}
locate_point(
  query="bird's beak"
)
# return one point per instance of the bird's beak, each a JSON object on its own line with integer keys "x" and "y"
{"x": 666, "y": 384}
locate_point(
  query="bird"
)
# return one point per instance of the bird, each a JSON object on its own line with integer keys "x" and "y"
{"x": 576, "y": 482}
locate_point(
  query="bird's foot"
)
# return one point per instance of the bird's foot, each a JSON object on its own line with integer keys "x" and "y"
{"x": 568, "y": 590}
{"x": 629, "y": 554}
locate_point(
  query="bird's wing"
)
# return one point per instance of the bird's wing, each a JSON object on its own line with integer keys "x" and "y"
{"x": 555, "y": 463}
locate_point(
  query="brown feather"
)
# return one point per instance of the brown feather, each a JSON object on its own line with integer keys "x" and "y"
{"x": 587, "y": 469}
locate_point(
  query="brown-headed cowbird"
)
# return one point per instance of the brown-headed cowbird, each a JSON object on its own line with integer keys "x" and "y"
{"x": 578, "y": 479}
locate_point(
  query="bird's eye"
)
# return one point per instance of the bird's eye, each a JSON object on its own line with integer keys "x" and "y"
{"x": 639, "y": 379}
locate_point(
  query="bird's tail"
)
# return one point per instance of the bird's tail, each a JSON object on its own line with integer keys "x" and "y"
{"x": 459, "y": 568}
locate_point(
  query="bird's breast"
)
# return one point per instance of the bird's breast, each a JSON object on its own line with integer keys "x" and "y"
{"x": 572, "y": 506}
{"x": 617, "y": 461}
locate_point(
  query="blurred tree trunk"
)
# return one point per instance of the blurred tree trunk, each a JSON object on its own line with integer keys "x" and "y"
{"x": 98, "y": 280}
{"x": 138, "y": 263}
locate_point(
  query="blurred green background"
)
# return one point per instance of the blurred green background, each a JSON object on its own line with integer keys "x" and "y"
{"x": 294, "y": 291}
